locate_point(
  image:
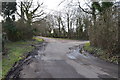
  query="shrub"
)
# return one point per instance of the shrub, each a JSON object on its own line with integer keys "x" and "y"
{"x": 17, "y": 31}
{"x": 10, "y": 28}
{"x": 103, "y": 54}
{"x": 24, "y": 31}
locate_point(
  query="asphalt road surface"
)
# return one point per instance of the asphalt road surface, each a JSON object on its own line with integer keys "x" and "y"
{"x": 60, "y": 58}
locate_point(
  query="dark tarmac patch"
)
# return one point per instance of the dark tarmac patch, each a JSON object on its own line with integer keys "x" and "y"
{"x": 60, "y": 69}
{"x": 106, "y": 77}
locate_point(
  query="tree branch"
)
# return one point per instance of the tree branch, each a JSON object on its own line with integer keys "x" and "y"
{"x": 20, "y": 16}
{"x": 38, "y": 15}
{"x": 83, "y": 9}
{"x": 36, "y": 8}
{"x": 88, "y": 5}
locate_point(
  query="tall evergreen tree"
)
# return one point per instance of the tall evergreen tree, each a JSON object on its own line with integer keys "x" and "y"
{"x": 8, "y": 10}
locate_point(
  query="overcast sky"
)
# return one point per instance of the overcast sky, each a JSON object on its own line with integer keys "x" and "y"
{"x": 54, "y": 4}
{"x": 51, "y": 5}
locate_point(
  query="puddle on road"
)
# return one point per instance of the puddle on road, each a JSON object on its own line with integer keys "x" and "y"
{"x": 74, "y": 54}
{"x": 40, "y": 52}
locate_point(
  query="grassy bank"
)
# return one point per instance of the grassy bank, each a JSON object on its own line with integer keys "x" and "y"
{"x": 15, "y": 52}
{"x": 102, "y": 54}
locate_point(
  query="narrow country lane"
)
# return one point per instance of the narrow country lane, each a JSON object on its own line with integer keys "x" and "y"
{"x": 60, "y": 58}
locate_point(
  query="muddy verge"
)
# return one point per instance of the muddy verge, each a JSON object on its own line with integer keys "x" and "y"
{"x": 17, "y": 67}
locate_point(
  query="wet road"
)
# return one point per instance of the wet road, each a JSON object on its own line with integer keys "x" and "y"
{"x": 61, "y": 59}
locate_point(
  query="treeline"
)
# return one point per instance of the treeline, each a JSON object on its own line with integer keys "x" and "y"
{"x": 70, "y": 25}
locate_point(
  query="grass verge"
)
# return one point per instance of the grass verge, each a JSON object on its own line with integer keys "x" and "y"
{"x": 15, "y": 52}
{"x": 102, "y": 54}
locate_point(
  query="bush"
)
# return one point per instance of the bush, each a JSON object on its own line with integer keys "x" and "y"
{"x": 104, "y": 33}
{"x": 25, "y": 32}
{"x": 10, "y": 29}
{"x": 103, "y": 54}
{"x": 17, "y": 31}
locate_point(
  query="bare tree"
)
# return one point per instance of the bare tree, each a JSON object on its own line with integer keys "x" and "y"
{"x": 27, "y": 12}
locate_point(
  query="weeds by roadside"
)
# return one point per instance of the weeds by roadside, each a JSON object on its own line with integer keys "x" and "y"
{"x": 102, "y": 54}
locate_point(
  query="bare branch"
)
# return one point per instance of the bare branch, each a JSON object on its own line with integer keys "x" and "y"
{"x": 83, "y": 9}
{"x": 36, "y": 8}
{"x": 38, "y": 15}
{"x": 30, "y": 4}
{"x": 18, "y": 14}
{"x": 61, "y": 2}
{"x": 88, "y": 5}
